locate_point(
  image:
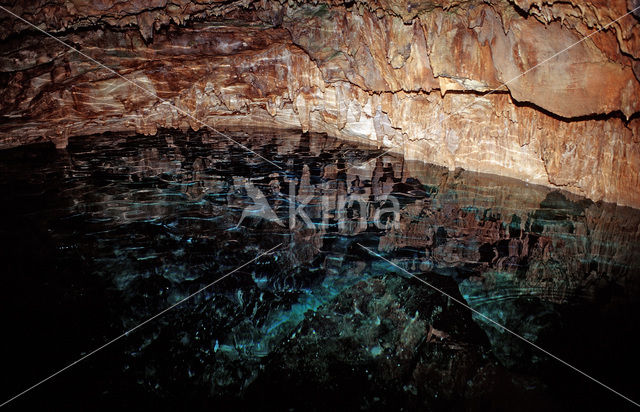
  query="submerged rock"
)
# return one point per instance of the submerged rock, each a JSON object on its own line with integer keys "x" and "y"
{"x": 389, "y": 343}
{"x": 117, "y": 229}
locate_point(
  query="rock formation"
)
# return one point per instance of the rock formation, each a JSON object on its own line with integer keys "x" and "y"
{"x": 505, "y": 87}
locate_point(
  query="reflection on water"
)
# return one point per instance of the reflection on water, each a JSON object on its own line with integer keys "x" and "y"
{"x": 102, "y": 236}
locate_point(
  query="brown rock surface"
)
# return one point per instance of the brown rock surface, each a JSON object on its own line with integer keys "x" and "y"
{"x": 412, "y": 76}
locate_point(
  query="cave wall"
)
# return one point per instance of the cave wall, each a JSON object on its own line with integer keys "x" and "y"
{"x": 412, "y": 76}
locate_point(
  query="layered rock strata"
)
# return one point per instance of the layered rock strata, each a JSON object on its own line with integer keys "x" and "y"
{"x": 501, "y": 87}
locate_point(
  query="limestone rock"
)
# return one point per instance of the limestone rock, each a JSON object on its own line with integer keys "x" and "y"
{"x": 511, "y": 88}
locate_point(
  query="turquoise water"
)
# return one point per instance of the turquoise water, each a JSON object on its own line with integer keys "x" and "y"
{"x": 115, "y": 229}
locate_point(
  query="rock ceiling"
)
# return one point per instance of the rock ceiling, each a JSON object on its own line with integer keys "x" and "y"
{"x": 505, "y": 87}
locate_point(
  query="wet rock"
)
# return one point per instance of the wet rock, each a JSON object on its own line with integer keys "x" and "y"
{"x": 404, "y": 74}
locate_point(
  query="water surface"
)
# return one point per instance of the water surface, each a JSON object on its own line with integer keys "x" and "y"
{"x": 110, "y": 232}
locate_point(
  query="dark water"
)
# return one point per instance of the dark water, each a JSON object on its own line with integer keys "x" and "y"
{"x": 99, "y": 238}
